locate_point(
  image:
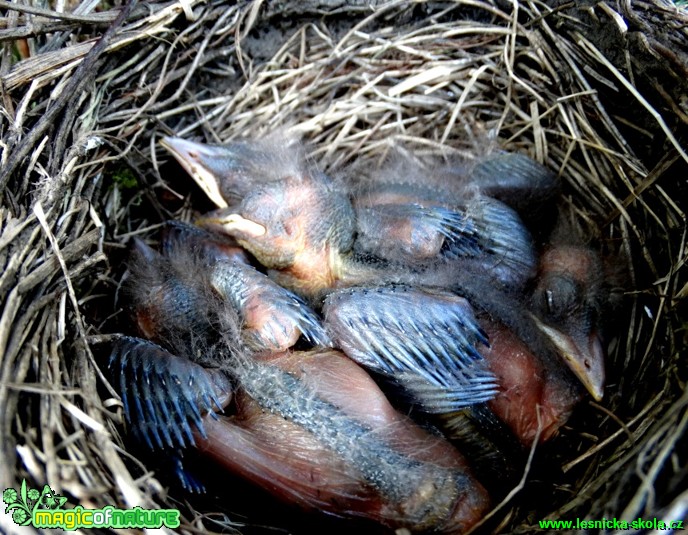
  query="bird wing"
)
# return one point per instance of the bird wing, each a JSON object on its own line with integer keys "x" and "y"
{"x": 395, "y": 231}
{"x": 272, "y": 314}
{"x": 163, "y": 395}
{"x": 425, "y": 341}
{"x": 515, "y": 179}
{"x": 506, "y": 247}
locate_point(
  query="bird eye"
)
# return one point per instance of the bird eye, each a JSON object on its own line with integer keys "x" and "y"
{"x": 562, "y": 297}
{"x": 288, "y": 228}
{"x": 549, "y": 297}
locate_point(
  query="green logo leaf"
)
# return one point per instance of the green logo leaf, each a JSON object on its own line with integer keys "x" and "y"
{"x": 50, "y": 500}
{"x": 22, "y": 503}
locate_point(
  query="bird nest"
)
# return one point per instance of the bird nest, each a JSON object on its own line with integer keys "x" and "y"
{"x": 597, "y": 93}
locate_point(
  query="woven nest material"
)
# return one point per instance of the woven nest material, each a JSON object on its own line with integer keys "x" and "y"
{"x": 598, "y": 93}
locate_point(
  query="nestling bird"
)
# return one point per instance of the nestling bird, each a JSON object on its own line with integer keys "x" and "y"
{"x": 312, "y": 428}
{"x": 227, "y": 173}
{"x": 545, "y": 353}
{"x": 408, "y": 220}
{"x": 538, "y": 364}
{"x": 288, "y": 215}
{"x": 423, "y": 340}
{"x": 569, "y": 302}
{"x": 176, "y": 295}
{"x": 430, "y": 343}
{"x": 311, "y": 231}
{"x": 465, "y": 212}
{"x": 423, "y": 273}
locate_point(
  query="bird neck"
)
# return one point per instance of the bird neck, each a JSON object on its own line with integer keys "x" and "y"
{"x": 354, "y": 273}
{"x": 313, "y": 273}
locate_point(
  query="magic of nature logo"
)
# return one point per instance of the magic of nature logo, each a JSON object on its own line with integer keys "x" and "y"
{"x": 44, "y": 509}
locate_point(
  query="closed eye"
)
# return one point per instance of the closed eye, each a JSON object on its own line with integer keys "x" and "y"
{"x": 549, "y": 296}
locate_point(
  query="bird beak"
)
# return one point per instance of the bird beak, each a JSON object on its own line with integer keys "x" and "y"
{"x": 143, "y": 252}
{"x": 235, "y": 225}
{"x": 583, "y": 354}
{"x": 196, "y": 159}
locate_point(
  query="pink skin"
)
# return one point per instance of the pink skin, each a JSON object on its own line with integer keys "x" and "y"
{"x": 526, "y": 388}
{"x": 293, "y": 464}
{"x": 579, "y": 262}
{"x": 418, "y": 242}
{"x": 261, "y": 318}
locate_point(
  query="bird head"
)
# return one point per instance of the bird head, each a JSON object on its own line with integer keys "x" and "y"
{"x": 566, "y": 303}
{"x": 299, "y": 225}
{"x": 227, "y": 173}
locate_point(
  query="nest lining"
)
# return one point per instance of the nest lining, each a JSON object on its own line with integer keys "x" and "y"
{"x": 355, "y": 81}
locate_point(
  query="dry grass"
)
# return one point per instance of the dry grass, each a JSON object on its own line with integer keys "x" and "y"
{"x": 86, "y": 97}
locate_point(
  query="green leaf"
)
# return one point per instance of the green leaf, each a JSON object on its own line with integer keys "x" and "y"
{"x": 125, "y": 178}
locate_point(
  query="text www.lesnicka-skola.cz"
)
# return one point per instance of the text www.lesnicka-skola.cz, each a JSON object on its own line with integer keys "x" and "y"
{"x": 613, "y": 523}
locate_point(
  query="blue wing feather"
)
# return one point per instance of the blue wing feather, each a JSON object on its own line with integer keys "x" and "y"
{"x": 164, "y": 396}
{"x": 424, "y": 340}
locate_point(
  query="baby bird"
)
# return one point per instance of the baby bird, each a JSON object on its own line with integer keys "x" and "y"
{"x": 227, "y": 173}
{"x": 311, "y": 428}
{"x": 544, "y": 354}
{"x": 386, "y": 468}
{"x": 424, "y": 341}
{"x": 468, "y": 213}
{"x": 175, "y": 295}
{"x": 291, "y": 217}
{"x": 539, "y": 369}
{"x": 568, "y": 302}
{"x": 397, "y": 220}
{"x": 426, "y": 229}
{"x": 315, "y": 235}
